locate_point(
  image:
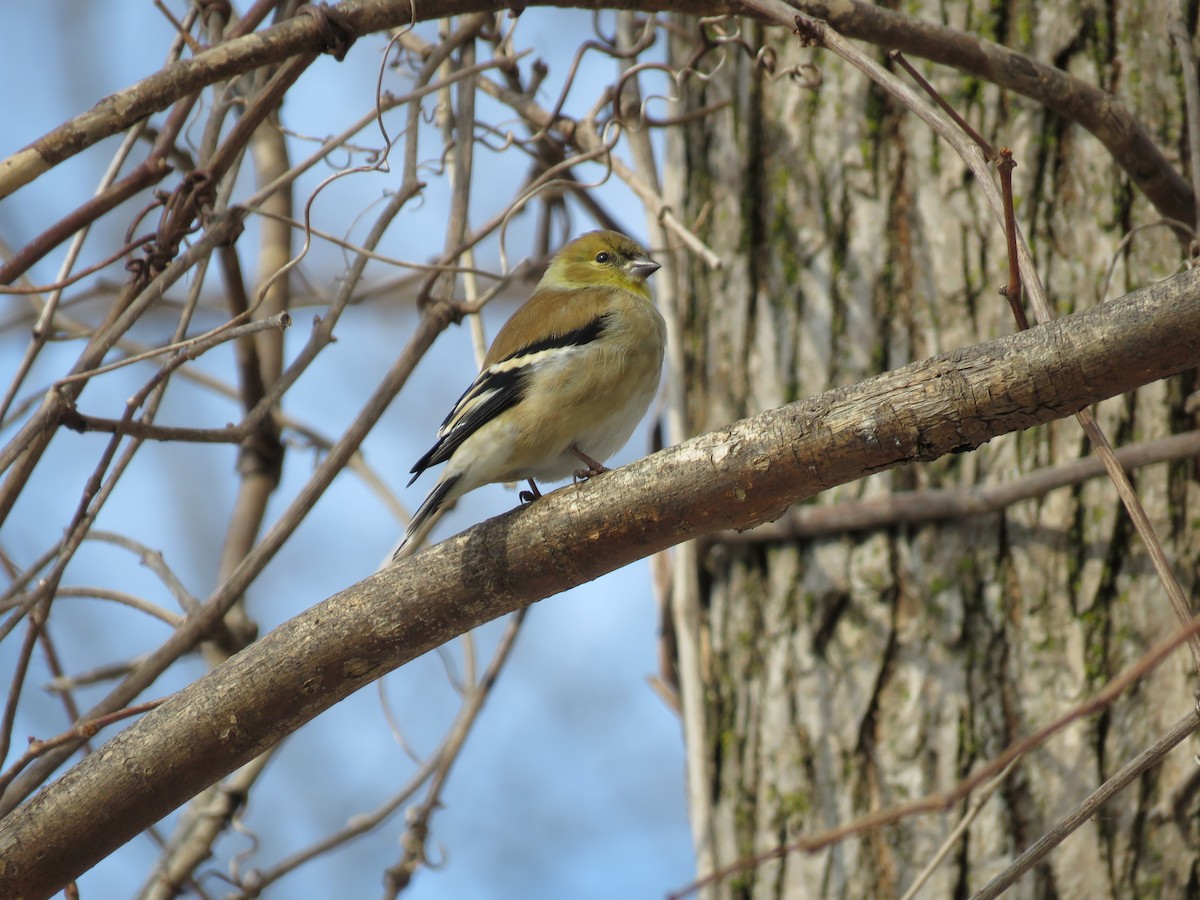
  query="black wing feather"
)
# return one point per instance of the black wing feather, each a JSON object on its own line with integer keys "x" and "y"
{"x": 505, "y": 386}
{"x": 574, "y": 338}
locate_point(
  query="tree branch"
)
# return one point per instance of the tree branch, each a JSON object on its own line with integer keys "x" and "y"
{"x": 1076, "y": 100}
{"x": 920, "y": 507}
{"x": 736, "y": 477}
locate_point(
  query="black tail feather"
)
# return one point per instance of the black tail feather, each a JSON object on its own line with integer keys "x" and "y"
{"x": 425, "y": 516}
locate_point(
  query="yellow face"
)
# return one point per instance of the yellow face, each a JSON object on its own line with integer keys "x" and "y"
{"x": 601, "y": 259}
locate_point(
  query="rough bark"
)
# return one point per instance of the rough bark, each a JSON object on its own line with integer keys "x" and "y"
{"x": 848, "y": 673}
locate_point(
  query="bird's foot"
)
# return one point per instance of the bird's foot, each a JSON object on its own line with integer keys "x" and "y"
{"x": 589, "y": 472}
{"x": 591, "y": 467}
{"x": 530, "y": 495}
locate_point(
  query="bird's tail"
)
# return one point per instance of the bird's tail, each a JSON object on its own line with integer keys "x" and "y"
{"x": 427, "y": 514}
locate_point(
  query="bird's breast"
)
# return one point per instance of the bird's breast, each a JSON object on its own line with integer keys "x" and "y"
{"x": 594, "y": 398}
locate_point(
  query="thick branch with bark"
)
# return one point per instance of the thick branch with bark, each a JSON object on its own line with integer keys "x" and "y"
{"x": 736, "y": 477}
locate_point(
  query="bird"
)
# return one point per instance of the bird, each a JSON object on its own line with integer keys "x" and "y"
{"x": 565, "y": 381}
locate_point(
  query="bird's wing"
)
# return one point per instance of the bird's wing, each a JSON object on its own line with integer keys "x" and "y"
{"x": 500, "y": 386}
{"x": 557, "y": 312}
{"x": 489, "y": 395}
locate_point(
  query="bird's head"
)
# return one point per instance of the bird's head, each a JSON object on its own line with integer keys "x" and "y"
{"x": 601, "y": 259}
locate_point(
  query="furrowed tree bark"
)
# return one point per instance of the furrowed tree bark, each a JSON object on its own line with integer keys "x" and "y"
{"x": 847, "y": 674}
{"x": 734, "y": 477}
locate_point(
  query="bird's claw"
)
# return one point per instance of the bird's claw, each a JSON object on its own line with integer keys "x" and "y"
{"x": 589, "y": 472}
{"x": 530, "y": 495}
{"x": 591, "y": 467}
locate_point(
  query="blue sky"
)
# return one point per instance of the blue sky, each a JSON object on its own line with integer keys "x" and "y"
{"x": 572, "y": 784}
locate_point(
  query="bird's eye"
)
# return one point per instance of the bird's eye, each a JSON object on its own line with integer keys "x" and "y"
{"x": 603, "y": 257}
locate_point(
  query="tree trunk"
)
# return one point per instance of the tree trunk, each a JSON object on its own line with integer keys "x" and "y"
{"x": 844, "y": 674}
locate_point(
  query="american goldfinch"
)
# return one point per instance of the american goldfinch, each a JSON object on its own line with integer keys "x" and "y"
{"x": 563, "y": 385}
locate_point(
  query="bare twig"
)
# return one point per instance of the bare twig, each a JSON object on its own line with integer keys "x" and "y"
{"x": 958, "y": 831}
{"x": 1095, "y": 801}
{"x": 1011, "y": 290}
{"x": 944, "y": 504}
{"x": 437, "y": 765}
{"x": 125, "y": 599}
{"x": 585, "y": 134}
{"x": 989, "y": 152}
{"x": 191, "y": 348}
{"x": 214, "y": 608}
{"x": 73, "y": 738}
{"x": 1191, "y": 92}
{"x": 398, "y": 876}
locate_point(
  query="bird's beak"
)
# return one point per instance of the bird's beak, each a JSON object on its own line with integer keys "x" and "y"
{"x": 642, "y": 267}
